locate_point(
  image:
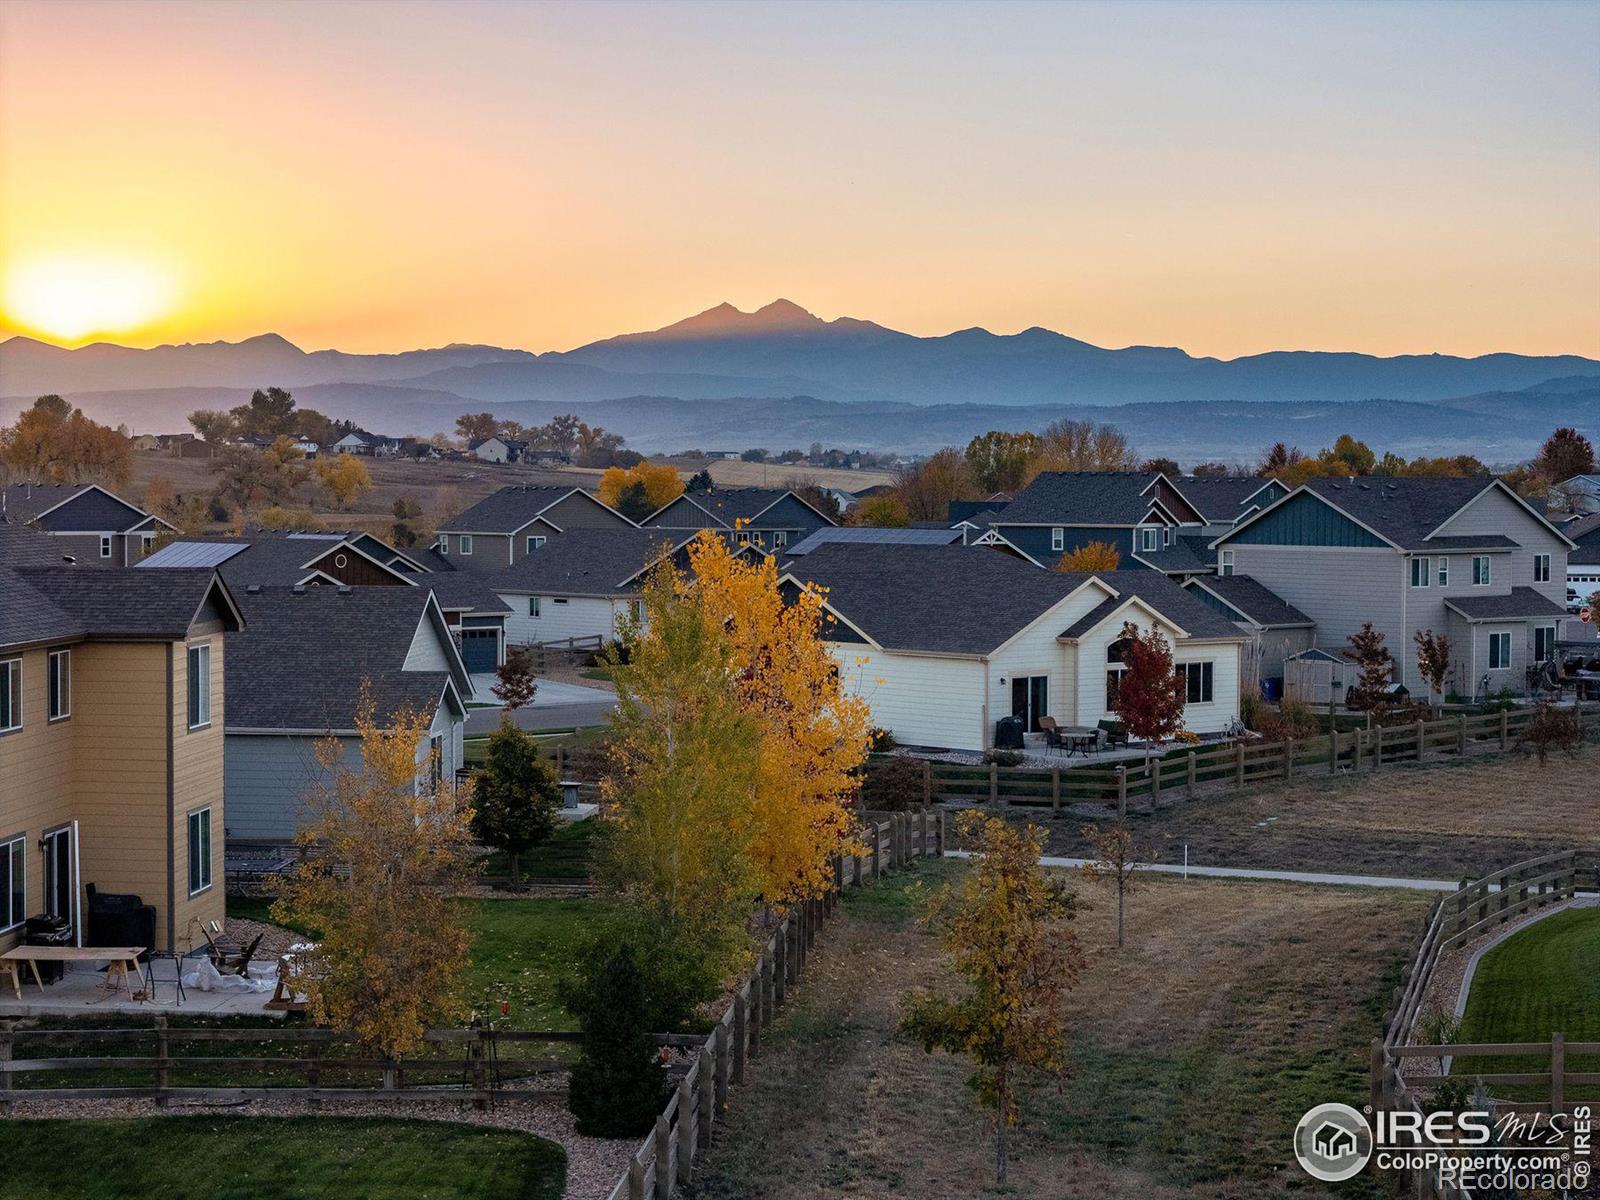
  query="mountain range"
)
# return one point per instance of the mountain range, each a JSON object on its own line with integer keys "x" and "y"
{"x": 780, "y": 376}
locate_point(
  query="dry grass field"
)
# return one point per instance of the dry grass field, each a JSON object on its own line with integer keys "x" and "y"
{"x": 1234, "y": 1008}
{"x": 442, "y": 488}
{"x": 1444, "y": 821}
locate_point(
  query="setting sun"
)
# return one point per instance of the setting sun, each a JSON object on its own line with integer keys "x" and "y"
{"x": 72, "y": 298}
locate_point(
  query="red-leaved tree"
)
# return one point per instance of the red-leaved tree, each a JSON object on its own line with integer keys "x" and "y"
{"x": 1150, "y": 695}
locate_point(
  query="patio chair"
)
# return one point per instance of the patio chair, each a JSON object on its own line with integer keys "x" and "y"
{"x": 1116, "y": 733}
{"x": 1052, "y": 734}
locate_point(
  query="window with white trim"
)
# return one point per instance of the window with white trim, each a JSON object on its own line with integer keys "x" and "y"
{"x": 1421, "y": 571}
{"x": 444, "y": 545}
{"x": 636, "y": 611}
{"x": 780, "y": 537}
{"x": 1499, "y": 651}
{"x": 146, "y": 540}
{"x": 1480, "y": 570}
{"x": 199, "y": 686}
{"x": 558, "y": 599}
{"x": 1199, "y": 681}
{"x": 13, "y": 882}
{"x": 199, "y": 850}
{"x": 743, "y": 538}
{"x": 533, "y": 605}
{"x": 466, "y": 544}
{"x": 1541, "y": 568}
{"x": 105, "y": 545}
{"x": 1227, "y": 562}
{"x": 1444, "y": 571}
{"x": 60, "y": 666}
{"x": 10, "y": 695}
{"x": 535, "y": 542}
{"x": 1058, "y": 538}
{"x": 1149, "y": 539}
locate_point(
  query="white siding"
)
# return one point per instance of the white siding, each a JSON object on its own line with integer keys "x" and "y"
{"x": 923, "y": 701}
{"x": 427, "y": 652}
{"x": 578, "y": 617}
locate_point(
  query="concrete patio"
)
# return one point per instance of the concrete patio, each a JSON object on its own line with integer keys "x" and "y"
{"x": 82, "y": 991}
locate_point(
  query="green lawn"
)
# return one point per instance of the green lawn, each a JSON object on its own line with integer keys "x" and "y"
{"x": 564, "y": 857}
{"x": 300, "y": 1158}
{"x": 521, "y": 952}
{"x": 1543, "y": 980}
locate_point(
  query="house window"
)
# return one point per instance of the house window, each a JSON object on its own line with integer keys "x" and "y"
{"x": 780, "y": 537}
{"x": 1444, "y": 571}
{"x": 535, "y": 543}
{"x": 10, "y": 694}
{"x": 466, "y": 543}
{"x": 755, "y": 539}
{"x": 1544, "y": 643}
{"x": 105, "y": 545}
{"x": 1541, "y": 568}
{"x": 533, "y": 606}
{"x": 199, "y": 686}
{"x": 199, "y": 850}
{"x": 558, "y": 600}
{"x": 1499, "y": 651}
{"x": 60, "y": 684}
{"x": 146, "y": 540}
{"x": 636, "y": 611}
{"x": 1149, "y": 539}
{"x": 1227, "y": 562}
{"x": 1116, "y": 656}
{"x": 435, "y": 762}
{"x": 1166, "y": 535}
{"x": 1480, "y": 570}
{"x": 1198, "y": 681}
{"x": 1058, "y": 538}
{"x": 744, "y": 539}
{"x": 444, "y": 545}
{"x": 1421, "y": 572}
{"x": 13, "y": 882}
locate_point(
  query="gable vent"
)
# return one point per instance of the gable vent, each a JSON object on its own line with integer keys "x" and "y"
{"x": 344, "y": 589}
{"x": 299, "y": 589}
{"x": 253, "y": 589}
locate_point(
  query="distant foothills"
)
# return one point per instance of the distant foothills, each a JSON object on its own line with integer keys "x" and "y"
{"x": 781, "y": 376}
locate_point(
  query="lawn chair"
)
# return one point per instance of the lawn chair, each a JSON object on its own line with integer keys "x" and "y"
{"x": 1116, "y": 732}
{"x": 231, "y": 961}
{"x": 1052, "y": 734}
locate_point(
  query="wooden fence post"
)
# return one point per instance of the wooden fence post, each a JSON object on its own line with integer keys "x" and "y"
{"x": 723, "y": 1064}
{"x": 1055, "y": 789}
{"x": 1505, "y": 731}
{"x": 1122, "y": 792}
{"x": 1558, "y": 1068}
{"x": 1155, "y": 783}
{"x": 480, "y": 1080}
{"x": 855, "y": 870}
{"x": 927, "y": 782}
{"x": 1333, "y": 748}
{"x": 635, "y": 1178}
{"x": 1422, "y": 739}
{"x": 1377, "y": 745}
{"x": 1379, "y": 1063}
{"x": 780, "y": 964}
{"x": 708, "y": 1093}
{"x": 1288, "y": 758}
{"x": 686, "y": 1146}
{"x": 741, "y": 1029}
{"x": 1191, "y": 775}
{"x": 994, "y": 783}
{"x": 1461, "y": 736}
{"x": 940, "y": 816}
{"x": 161, "y": 1060}
{"x": 877, "y": 862}
{"x": 663, "y": 1156}
{"x": 1238, "y": 764}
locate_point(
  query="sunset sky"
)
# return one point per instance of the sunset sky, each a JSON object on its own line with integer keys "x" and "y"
{"x": 1228, "y": 178}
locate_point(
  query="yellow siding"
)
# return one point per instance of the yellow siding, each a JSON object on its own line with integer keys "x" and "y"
{"x": 35, "y": 776}
{"x": 197, "y": 783}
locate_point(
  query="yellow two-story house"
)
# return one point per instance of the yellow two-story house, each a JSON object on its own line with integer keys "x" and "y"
{"x": 111, "y": 739}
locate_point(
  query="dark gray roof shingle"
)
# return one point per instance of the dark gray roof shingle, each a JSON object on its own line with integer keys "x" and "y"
{"x": 1188, "y": 555}
{"x": 869, "y": 535}
{"x": 1403, "y": 509}
{"x": 587, "y": 562}
{"x": 301, "y": 660}
{"x": 968, "y": 599}
{"x": 1519, "y": 603}
{"x": 506, "y": 511}
{"x": 1082, "y": 498}
{"x": 117, "y": 603}
{"x": 1220, "y": 497}
{"x": 735, "y": 504}
{"x": 1255, "y": 600}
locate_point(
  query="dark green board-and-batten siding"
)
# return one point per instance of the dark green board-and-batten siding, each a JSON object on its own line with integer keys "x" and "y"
{"x": 1305, "y": 521}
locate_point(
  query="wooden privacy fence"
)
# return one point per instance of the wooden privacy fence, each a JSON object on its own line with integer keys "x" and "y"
{"x": 469, "y": 1064}
{"x": 1477, "y": 908}
{"x": 1148, "y": 786}
{"x": 683, "y": 1129}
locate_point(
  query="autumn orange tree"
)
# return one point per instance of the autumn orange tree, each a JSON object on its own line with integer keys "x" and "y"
{"x": 661, "y": 484}
{"x": 1005, "y": 928}
{"x": 814, "y": 736}
{"x": 1090, "y": 558}
{"x": 389, "y": 847}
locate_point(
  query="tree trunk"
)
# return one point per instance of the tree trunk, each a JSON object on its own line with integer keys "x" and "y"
{"x": 1120, "y": 887}
{"x": 1000, "y": 1132}
{"x": 516, "y": 874}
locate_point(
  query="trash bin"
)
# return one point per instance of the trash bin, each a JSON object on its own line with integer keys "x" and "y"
{"x": 1008, "y": 733}
{"x": 48, "y": 931}
{"x": 1272, "y": 688}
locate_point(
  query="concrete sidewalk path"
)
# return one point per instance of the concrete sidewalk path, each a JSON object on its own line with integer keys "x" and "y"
{"x": 1384, "y": 881}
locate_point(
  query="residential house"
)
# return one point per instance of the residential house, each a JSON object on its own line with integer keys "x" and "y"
{"x": 943, "y": 641}
{"x": 1225, "y": 500}
{"x": 1580, "y": 494}
{"x": 1464, "y": 557}
{"x": 1583, "y": 560}
{"x": 112, "y": 700}
{"x": 579, "y": 583}
{"x": 475, "y": 615}
{"x": 91, "y": 522}
{"x": 869, "y": 535}
{"x": 1276, "y": 629}
{"x": 359, "y": 441}
{"x": 502, "y": 529}
{"x": 497, "y": 449}
{"x": 1142, "y": 514}
{"x": 768, "y": 518}
{"x": 298, "y": 674}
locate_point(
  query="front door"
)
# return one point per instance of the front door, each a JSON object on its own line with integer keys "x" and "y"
{"x": 58, "y": 873}
{"x": 1030, "y": 699}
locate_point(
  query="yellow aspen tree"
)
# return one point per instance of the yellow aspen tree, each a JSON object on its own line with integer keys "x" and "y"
{"x": 814, "y": 736}
{"x": 389, "y": 848}
{"x": 1091, "y": 558}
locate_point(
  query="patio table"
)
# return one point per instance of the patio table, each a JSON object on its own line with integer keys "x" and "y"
{"x": 118, "y": 958}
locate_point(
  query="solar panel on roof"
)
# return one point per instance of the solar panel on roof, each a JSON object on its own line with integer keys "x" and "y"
{"x": 192, "y": 554}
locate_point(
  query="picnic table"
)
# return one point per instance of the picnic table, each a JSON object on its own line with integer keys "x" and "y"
{"x": 117, "y": 958}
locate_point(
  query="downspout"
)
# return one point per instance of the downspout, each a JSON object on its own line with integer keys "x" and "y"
{"x": 987, "y": 732}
